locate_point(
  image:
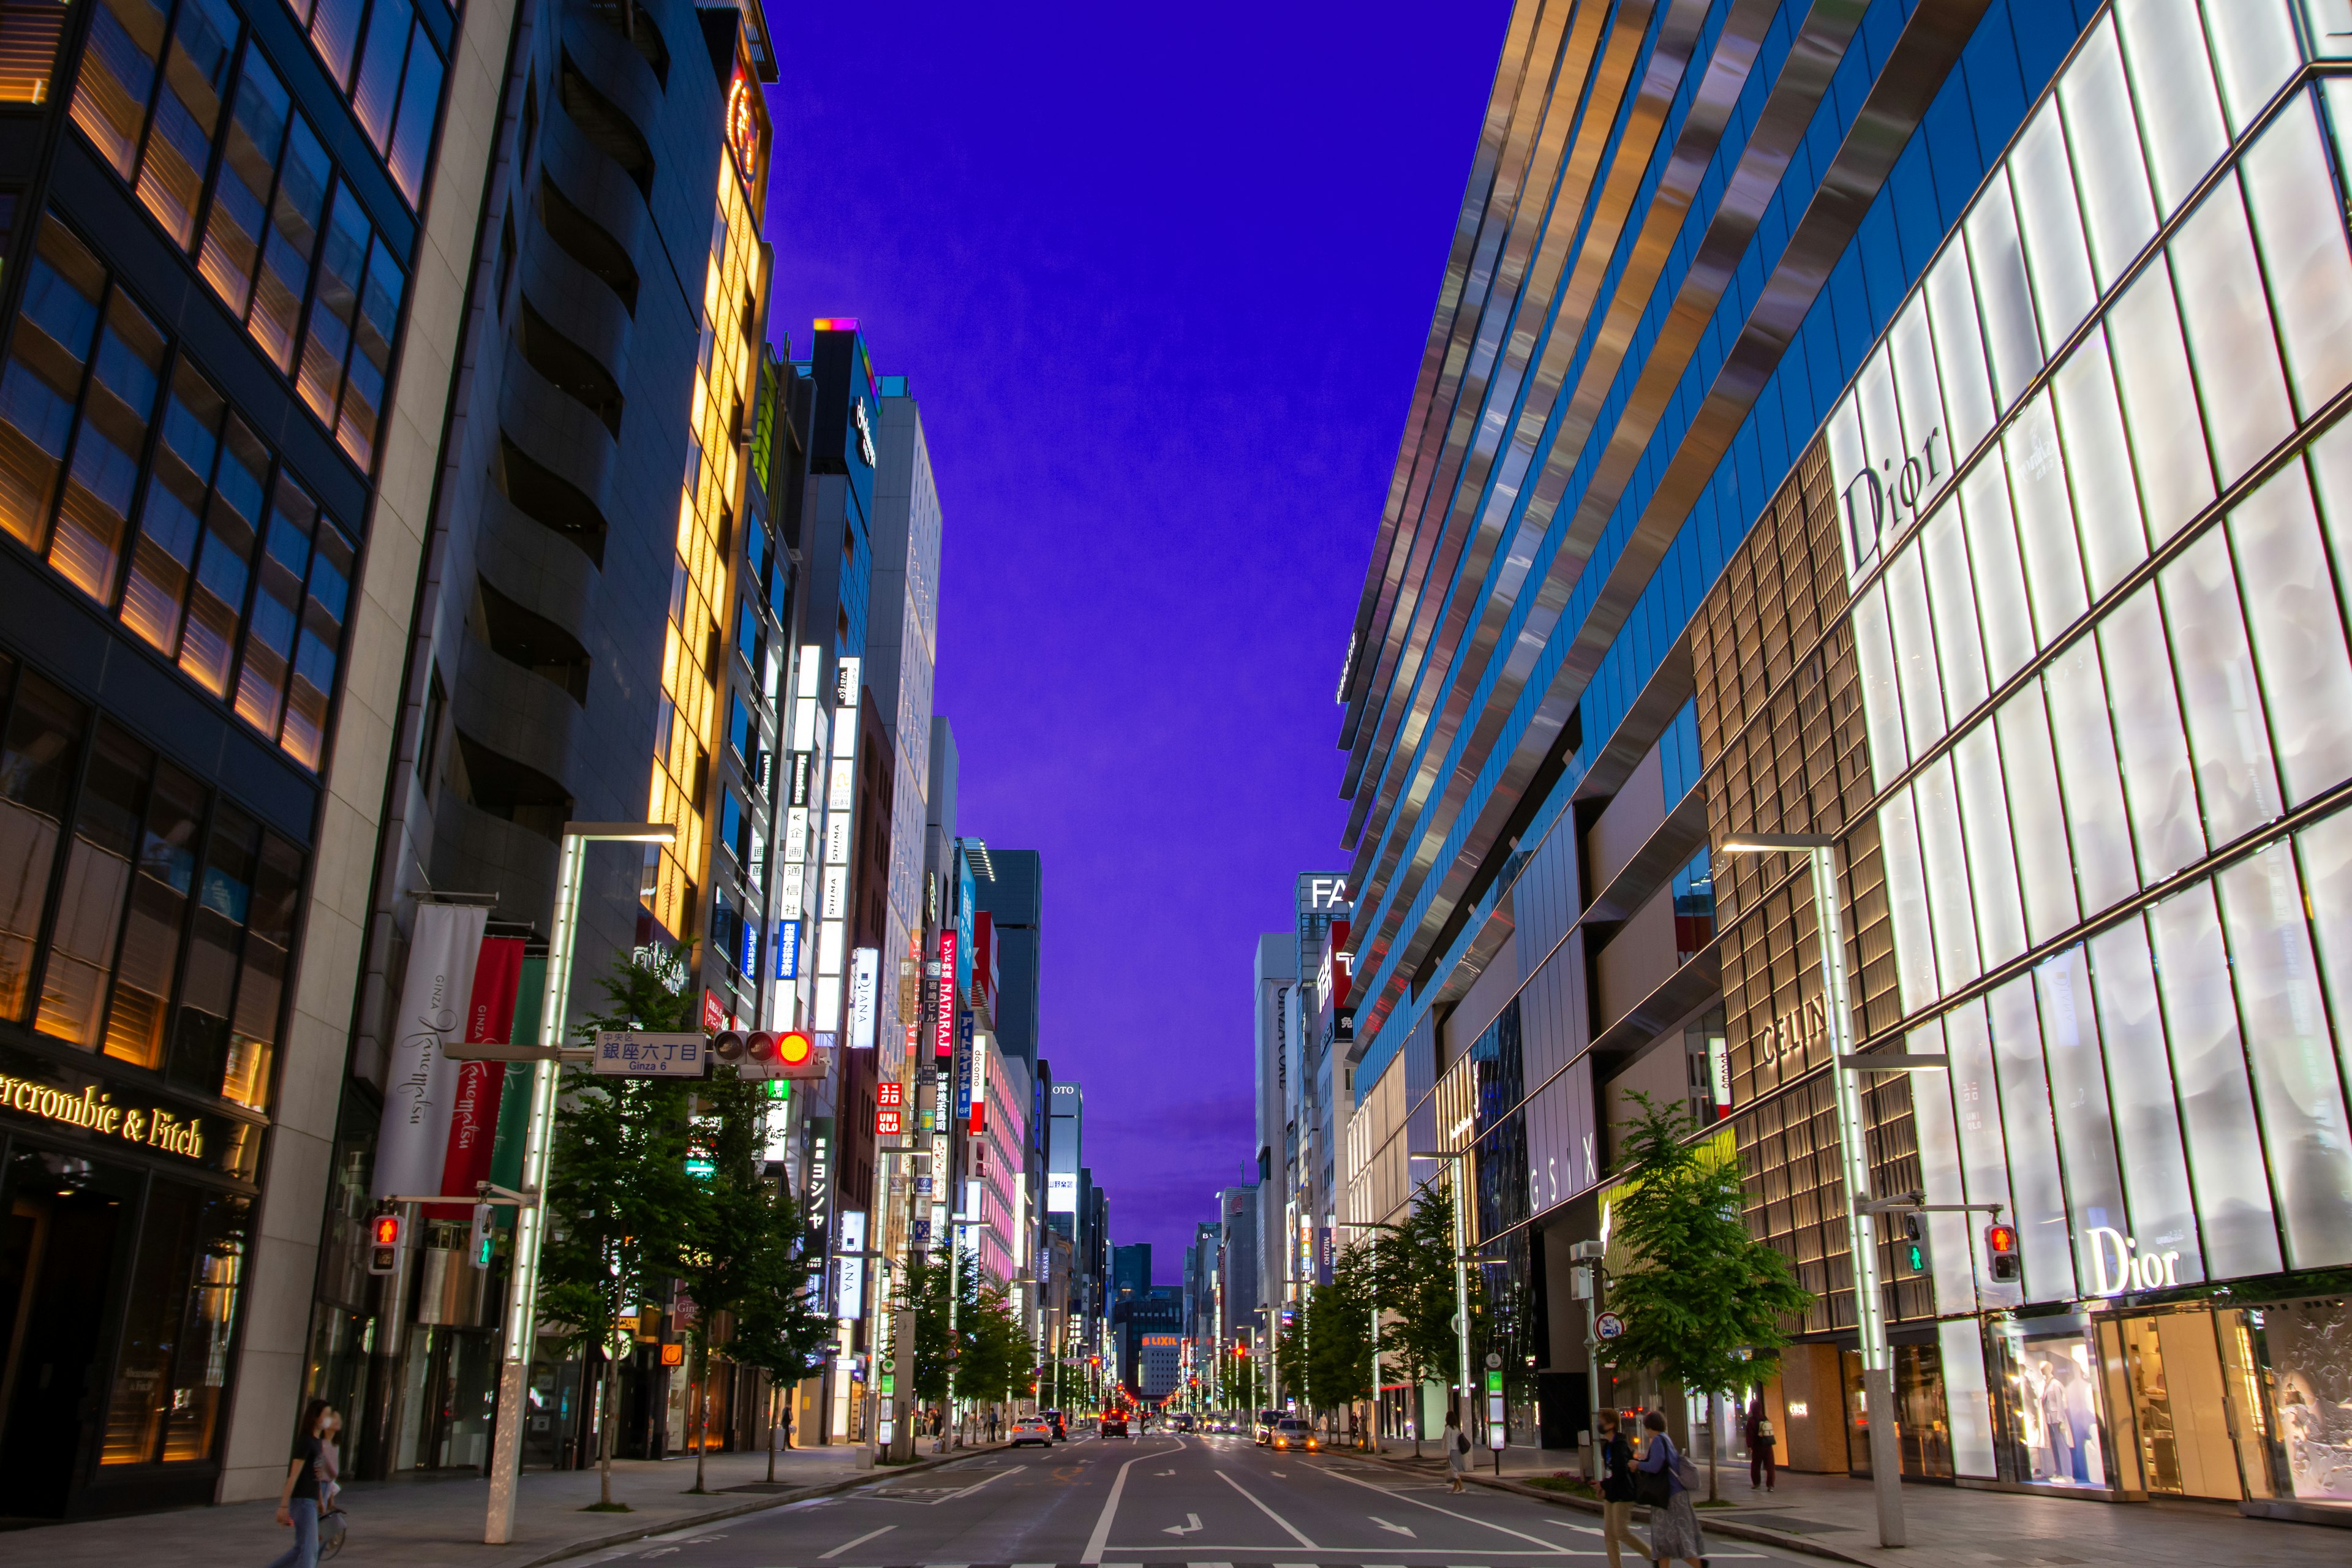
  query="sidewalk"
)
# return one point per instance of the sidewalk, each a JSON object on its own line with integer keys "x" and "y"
{"x": 1956, "y": 1527}
{"x": 437, "y": 1522}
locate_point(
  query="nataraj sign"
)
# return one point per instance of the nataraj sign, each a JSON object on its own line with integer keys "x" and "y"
{"x": 944, "y": 1019}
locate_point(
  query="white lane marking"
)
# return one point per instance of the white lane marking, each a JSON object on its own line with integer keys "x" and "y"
{"x": 1289, "y": 1529}
{"x": 992, "y": 1475}
{"x": 828, "y": 1556}
{"x": 1469, "y": 1518}
{"x": 1101, "y": 1537}
{"x": 1191, "y": 1526}
{"x": 1384, "y": 1524}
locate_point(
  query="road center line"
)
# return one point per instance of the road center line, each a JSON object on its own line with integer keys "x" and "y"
{"x": 1101, "y": 1536}
{"x": 1268, "y": 1512}
{"x": 1466, "y": 1518}
{"x": 827, "y": 1556}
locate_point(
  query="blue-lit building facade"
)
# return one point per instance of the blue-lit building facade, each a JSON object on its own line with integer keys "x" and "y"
{"x": 1916, "y": 433}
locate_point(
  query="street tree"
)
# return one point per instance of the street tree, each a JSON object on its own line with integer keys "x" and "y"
{"x": 1703, "y": 1301}
{"x": 743, "y": 1263}
{"x": 1414, "y": 1264}
{"x": 1339, "y": 1339}
{"x": 620, "y": 1203}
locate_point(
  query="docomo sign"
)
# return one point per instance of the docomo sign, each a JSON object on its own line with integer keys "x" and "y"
{"x": 2117, "y": 1265}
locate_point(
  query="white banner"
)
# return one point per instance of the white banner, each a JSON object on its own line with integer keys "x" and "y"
{"x": 420, "y": 1083}
{"x": 864, "y": 977}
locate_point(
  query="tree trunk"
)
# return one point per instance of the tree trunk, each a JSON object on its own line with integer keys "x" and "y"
{"x": 606, "y": 1394}
{"x": 1712, "y": 1495}
{"x": 771, "y": 1432}
{"x": 699, "y": 1390}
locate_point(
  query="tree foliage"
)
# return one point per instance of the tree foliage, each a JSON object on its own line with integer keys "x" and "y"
{"x": 1414, "y": 1266}
{"x": 1703, "y": 1301}
{"x": 1334, "y": 1365}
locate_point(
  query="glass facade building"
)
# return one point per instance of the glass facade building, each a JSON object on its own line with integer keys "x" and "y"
{"x": 1993, "y": 523}
{"x": 2092, "y": 498}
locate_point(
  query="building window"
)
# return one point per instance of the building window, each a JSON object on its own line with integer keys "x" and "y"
{"x": 153, "y": 111}
{"x": 166, "y": 944}
{"x": 233, "y": 573}
{"x": 30, "y": 31}
{"x": 383, "y": 60}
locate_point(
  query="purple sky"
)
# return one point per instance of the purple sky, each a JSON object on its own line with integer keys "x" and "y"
{"x": 1160, "y": 284}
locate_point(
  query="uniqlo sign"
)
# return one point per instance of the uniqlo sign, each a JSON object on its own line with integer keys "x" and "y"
{"x": 888, "y": 1121}
{"x": 943, "y": 1018}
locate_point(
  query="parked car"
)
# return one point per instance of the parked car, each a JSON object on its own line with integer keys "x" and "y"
{"x": 1031, "y": 1429}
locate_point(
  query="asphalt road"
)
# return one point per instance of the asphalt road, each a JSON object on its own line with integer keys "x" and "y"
{"x": 1160, "y": 1501}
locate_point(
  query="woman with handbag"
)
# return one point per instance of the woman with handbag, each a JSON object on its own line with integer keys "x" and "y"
{"x": 1457, "y": 1451}
{"x": 1663, "y": 1478}
{"x": 1617, "y": 1492}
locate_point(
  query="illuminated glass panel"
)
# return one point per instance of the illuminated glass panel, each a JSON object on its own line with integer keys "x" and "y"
{"x": 1951, "y": 594}
{"x": 2004, "y": 300}
{"x": 2078, "y": 1093}
{"x": 1959, "y": 348}
{"x": 2045, "y": 858}
{"x": 2148, "y": 738}
{"x": 2107, "y": 497}
{"x": 1941, "y": 1177}
{"x": 1992, "y": 859}
{"x": 2217, "y": 1109}
{"x": 2091, "y": 778}
{"x": 2159, "y": 396}
{"x": 2119, "y": 213}
{"x": 2231, "y": 338}
{"x": 1874, "y": 647}
{"x": 1943, "y": 852}
{"x": 2304, "y": 256}
{"x": 2236, "y": 778}
{"x": 2325, "y": 849}
{"x": 2295, "y": 1085}
{"x": 1915, "y": 651}
{"x": 2140, "y": 1090}
{"x": 2001, "y": 603}
{"x": 2045, "y": 519}
{"x": 2254, "y": 51}
{"x": 1915, "y": 938}
{"x": 2164, "y": 50}
{"x": 2042, "y": 177}
{"x": 2291, "y": 610}
{"x": 1976, "y": 1101}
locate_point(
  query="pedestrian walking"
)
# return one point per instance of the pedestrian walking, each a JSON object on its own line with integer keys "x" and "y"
{"x": 1617, "y": 1492}
{"x": 1663, "y": 1478}
{"x": 1762, "y": 1462}
{"x": 298, "y": 1502}
{"x": 1457, "y": 1451}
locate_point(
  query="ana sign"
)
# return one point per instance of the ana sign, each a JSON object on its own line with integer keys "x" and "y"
{"x": 2117, "y": 1265}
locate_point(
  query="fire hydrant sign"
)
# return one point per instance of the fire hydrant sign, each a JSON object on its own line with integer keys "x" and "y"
{"x": 634, "y": 1053}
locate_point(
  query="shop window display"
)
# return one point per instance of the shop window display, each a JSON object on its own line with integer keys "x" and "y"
{"x": 2047, "y": 1389}
{"x": 2309, "y": 1346}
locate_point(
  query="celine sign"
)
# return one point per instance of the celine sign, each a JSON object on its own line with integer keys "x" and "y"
{"x": 1789, "y": 1033}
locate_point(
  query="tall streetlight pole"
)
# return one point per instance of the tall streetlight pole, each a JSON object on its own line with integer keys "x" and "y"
{"x": 1869, "y": 1310}
{"x": 530, "y": 1230}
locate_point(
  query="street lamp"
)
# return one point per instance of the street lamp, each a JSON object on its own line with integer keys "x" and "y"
{"x": 1877, "y": 1362}
{"x": 1461, "y": 1277}
{"x": 523, "y": 1285}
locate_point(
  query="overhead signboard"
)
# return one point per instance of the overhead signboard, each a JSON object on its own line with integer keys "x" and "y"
{"x": 636, "y": 1053}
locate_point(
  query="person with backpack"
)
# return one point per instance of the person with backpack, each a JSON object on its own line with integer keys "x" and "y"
{"x": 1663, "y": 1477}
{"x": 1762, "y": 1463}
{"x": 1617, "y": 1492}
{"x": 1457, "y": 1450}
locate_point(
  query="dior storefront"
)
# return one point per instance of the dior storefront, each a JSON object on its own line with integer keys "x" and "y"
{"x": 2082, "y": 690}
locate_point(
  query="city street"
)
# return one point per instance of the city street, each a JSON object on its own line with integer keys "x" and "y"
{"x": 1158, "y": 1502}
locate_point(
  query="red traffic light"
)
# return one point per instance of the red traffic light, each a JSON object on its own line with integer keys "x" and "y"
{"x": 794, "y": 1049}
{"x": 383, "y": 1244}
{"x": 2000, "y": 1253}
{"x": 386, "y": 1230}
{"x": 2001, "y": 1238}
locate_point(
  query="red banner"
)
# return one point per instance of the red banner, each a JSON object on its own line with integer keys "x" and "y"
{"x": 474, "y": 1115}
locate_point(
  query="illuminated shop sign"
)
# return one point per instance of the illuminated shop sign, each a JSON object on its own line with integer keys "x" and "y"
{"x": 94, "y": 1111}
{"x": 2118, "y": 1264}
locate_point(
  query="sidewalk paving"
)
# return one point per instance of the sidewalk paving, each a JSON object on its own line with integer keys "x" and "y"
{"x": 1957, "y": 1527}
{"x": 437, "y": 1522}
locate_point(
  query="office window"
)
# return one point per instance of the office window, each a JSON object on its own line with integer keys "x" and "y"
{"x": 30, "y": 32}
{"x": 381, "y": 56}
{"x": 162, "y": 929}
{"x": 270, "y": 221}
{"x": 86, "y": 374}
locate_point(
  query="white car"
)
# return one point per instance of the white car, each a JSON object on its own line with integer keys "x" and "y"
{"x": 1031, "y": 1429}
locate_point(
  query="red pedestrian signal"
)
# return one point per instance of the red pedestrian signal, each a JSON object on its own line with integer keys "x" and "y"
{"x": 383, "y": 1244}
{"x": 2000, "y": 1253}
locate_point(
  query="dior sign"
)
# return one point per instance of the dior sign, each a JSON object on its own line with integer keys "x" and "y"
{"x": 1871, "y": 498}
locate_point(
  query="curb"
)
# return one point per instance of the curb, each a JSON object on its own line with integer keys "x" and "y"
{"x": 753, "y": 1505}
{"x": 1735, "y": 1529}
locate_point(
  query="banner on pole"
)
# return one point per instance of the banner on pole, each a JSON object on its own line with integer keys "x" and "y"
{"x": 421, "y": 1082}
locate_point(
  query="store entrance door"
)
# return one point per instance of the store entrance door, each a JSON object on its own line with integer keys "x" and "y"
{"x": 58, "y": 1241}
{"x": 2172, "y": 1368}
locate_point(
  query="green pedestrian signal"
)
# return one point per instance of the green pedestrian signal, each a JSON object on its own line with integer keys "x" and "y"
{"x": 1914, "y": 1247}
{"x": 1494, "y": 1382}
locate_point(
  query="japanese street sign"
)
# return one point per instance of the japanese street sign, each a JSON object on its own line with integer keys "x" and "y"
{"x": 1608, "y": 1326}
{"x": 634, "y": 1053}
